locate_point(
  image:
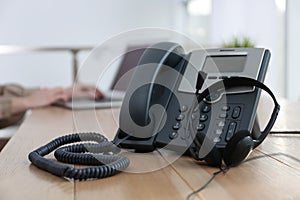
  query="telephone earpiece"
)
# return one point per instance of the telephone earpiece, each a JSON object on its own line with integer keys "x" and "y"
{"x": 238, "y": 148}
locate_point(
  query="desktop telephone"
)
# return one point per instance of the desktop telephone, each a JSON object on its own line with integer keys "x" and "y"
{"x": 202, "y": 103}
{"x": 162, "y": 110}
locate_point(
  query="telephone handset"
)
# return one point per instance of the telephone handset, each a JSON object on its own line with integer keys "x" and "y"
{"x": 159, "y": 108}
{"x": 163, "y": 54}
{"x": 143, "y": 108}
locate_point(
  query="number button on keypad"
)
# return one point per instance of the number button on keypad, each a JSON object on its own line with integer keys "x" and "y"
{"x": 221, "y": 124}
{"x": 203, "y": 118}
{"x": 180, "y": 117}
{"x": 183, "y": 108}
{"x": 173, "y": 135}
{"x": 200, "y": 127}
{"x": 225, "y": 108}
{"x": 205, "y": 108}
{"x": 223, "y": 115}
{"x": 176, "y": 126}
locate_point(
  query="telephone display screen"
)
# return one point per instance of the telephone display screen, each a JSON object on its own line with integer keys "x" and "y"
{"x": 233, "y": 63}
{"x": 216, "y": 65}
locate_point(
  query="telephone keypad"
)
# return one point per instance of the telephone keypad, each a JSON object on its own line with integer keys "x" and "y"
{"x": 225, "y": 119}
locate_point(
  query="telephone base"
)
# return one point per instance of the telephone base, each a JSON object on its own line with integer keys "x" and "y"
{"x": 141, "y": 145}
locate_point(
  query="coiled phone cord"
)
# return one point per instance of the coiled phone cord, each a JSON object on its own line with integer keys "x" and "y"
{"x": 101, "y": 154}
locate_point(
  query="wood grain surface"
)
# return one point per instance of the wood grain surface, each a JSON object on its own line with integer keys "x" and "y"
{"x": 271, "y": 172}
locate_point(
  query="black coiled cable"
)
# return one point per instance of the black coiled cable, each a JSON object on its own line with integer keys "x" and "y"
{"x": 100, "y": 154}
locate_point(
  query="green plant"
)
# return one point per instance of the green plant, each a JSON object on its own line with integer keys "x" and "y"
{"x": 238, "y": 43}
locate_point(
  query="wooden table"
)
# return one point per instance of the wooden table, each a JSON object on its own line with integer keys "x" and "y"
{"x": 276, "y": 175}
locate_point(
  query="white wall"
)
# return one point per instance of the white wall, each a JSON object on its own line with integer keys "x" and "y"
{"x": 293, "y": 44}
{"x": 90, "y": 22}
{"x": 68, "y": 23}
{"x": 259, "y": 20}
{"x": 77, "y": 22}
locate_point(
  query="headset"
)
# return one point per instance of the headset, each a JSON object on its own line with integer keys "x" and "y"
{"x": 241, "y": 143}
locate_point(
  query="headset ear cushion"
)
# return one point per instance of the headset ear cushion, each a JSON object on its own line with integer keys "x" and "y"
{"x": 238, "y": 148}
{"x": 208, "y": 151}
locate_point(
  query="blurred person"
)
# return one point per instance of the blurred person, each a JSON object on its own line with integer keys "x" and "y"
{"x": 15, "y": 100}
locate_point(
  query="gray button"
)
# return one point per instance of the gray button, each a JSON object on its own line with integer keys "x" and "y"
{"x": 231, "y": 130}
{"x": 183, "y": 108}
{"x": 203, "y": 118}
{"x": 176, "y": 126}
{"x": 236, "y": 112}
{"x": 205, "y": 109}
{"x": 200, "y": 127}
{"x": 223, "y": 115}
{"x": 217, "y": 139}
{"x": 180, "y": 117}
{"x": 219, "y": 131}
{"x": 173, "y": 135}
{"x": 221, "y": 123}
{"x": 225, "y": 108}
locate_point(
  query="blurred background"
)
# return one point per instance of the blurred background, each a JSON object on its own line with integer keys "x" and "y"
{"x": 84, "y": 24}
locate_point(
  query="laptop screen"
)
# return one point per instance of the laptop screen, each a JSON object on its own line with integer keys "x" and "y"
{"x": 129, "y": 61}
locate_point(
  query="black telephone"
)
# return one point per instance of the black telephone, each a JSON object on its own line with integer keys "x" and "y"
{"x": 162, "y": 110}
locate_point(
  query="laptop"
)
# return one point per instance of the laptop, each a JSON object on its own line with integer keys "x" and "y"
{"x": 115, "y": 94}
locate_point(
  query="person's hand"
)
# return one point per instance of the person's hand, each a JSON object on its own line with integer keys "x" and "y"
{"x": 38, "y": 98}
{"x": 46, "y": 97}
{"x": 82, "y": 91}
